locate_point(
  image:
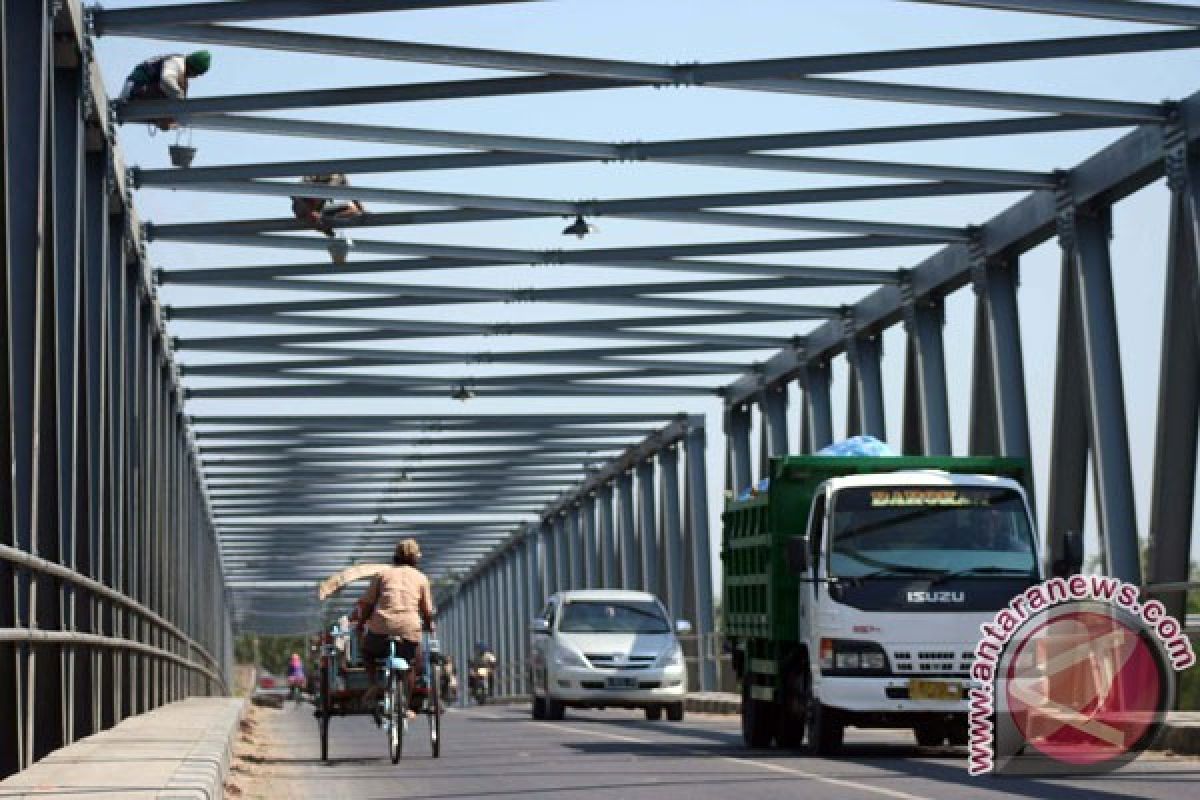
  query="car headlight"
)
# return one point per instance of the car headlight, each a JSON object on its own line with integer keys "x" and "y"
{"x": 671, "y": 657}
{"x": 852, "y": 657}
{"x": 564, "y": 657}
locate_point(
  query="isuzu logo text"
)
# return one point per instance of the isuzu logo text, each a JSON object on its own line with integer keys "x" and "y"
{"x": 937, "y": 597}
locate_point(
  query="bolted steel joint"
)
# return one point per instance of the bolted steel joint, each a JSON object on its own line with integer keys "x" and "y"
{"x": 1175, "y": 150}
{"x": 1066, "y": 210}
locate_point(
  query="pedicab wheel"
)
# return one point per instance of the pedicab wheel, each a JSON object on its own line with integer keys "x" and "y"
{"x": 398, "y": 704}
{"x": 435, "y": 709}
{"x": 324, "y": 711}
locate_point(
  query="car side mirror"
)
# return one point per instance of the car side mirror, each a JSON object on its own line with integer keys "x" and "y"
{"x": 797, "y": 554}
{"x": 1071, "y": 560}
{"x": 539, "y": 625}
{"x": 682, "y": 626}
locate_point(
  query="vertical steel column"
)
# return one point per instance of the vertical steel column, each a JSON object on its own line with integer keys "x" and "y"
{"x": 924, "y": 320}
{"x": 816, "y": 423}
{"x": 608, "y": 537}
{"x": 10, "y": 687}
{"x": 68, "y": 227}
{"x": 999, "y": 290}
{"x": 1066, "y": 495}
{"x": 983, "y": 435}
{"x": 700, "y": 548}
{"x": 672, "y": 529}
{"x": 585, "y": 551}
{"x": 1173, "y": 490}
{"x": 507, "y": 656}
{"x": 774, "y": 402}
{"x": 26, "y": 55}
{"x": 575, "y": 548}
{"x": 562, "y": 552}
{"x": 865, "y": 414}
{"x": 648, "y": 527}
{"x": 631, "y": 557}
{"x": 739, "y": 473}
{"x": 552, "y": 541}
{"x": 1092, "y": 274}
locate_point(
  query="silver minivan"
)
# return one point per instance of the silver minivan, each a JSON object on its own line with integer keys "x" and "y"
{"x": 602, "y": 648}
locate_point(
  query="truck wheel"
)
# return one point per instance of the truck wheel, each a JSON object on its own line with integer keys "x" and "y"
{"x": 789, "y": 729}
{"x": 675, "y": 712}
{"x": 957, "y": 733}
{"x": 653, "y": 713}
{"x": 539, "y": 707}
{"x": 825, "y": 729}
{"x": 757, "y": 718}
{"x": 930, "y": 734}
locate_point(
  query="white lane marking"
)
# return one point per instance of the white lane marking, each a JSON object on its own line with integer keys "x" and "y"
{"x": 749, "y": 762}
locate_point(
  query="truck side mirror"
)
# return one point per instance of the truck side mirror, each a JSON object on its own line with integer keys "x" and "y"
{"x": 797, "y": 554}
{"x": 539, "y": 625}
{"x": 1071, "y": 560}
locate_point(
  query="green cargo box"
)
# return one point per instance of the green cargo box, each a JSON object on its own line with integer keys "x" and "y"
{"x": 760, "y": 593}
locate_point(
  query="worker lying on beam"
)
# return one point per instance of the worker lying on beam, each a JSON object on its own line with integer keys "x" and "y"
{"x": 320, "y": 213}
{"x": 165, "y": 77}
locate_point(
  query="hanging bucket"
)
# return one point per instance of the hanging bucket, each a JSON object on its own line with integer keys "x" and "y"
{"x": 339, "y": 250}
{"x": 181, "y": 155}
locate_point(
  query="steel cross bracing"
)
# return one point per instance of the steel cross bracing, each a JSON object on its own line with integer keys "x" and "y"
{"x": 748, "y": 295}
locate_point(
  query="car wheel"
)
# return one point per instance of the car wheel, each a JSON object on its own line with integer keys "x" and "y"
{"x": 654, "y": 713}
{"x": 675, "y": 712}
{"x": 555, "y": 710}
{"x": 539, "y": 707}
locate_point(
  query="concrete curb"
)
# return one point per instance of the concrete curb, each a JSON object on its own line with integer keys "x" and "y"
{"x": 181, "y": 751}
{"x": 713, "y": 703}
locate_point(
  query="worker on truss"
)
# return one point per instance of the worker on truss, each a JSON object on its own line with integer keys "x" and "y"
{"x": 165, "y": 77}
{"x": 320, "y": 213}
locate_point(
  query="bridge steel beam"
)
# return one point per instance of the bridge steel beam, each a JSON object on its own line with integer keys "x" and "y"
{"x": 108, "y": 541}
{"x": 1173, "y": 493}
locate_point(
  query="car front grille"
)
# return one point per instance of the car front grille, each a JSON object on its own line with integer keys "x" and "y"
{"x": 618, "y": 661}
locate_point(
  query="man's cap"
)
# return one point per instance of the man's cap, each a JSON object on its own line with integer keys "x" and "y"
{"x": 199, "y": 61}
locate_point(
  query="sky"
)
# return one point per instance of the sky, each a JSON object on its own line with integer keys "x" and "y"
{"x": 675, "y": 31}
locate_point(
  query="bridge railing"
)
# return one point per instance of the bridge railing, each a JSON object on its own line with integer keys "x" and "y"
{"x": 109, "y": 566}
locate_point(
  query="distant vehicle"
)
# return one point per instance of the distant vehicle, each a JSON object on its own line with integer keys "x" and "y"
{"x": 607, "y": 649}
{"x": 855, "y": 588}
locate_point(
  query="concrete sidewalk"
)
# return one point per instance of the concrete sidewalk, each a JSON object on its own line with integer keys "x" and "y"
{"x": 180, "y": 751}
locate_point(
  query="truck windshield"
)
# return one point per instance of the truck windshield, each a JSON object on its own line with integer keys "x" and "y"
{"x": 923, "y": 531}
{"x": 625, "y": 617}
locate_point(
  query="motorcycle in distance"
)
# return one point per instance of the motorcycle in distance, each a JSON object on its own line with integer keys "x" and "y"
{"x": 449, "y": 679}
{"x": 481, "y": 676}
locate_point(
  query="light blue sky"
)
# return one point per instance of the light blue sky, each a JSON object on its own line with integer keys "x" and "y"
{"x": 669, "y": 31}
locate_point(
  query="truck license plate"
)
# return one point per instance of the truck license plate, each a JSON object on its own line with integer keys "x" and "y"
{"x": 622, "y": 683}
{"x": 934, "y": 690}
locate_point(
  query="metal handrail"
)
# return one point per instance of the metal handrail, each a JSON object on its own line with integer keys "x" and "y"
{"x": 38, "y": 564}
{"x": 1172, "y": 586}
{"x": 112, "y": 642}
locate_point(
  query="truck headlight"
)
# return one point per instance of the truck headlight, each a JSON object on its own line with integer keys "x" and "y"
{"x": 852, "y": 657}
{"x": 564, "y": 657}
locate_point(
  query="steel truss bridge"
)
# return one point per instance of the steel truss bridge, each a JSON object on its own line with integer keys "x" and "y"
{"x": 183, "y": 471}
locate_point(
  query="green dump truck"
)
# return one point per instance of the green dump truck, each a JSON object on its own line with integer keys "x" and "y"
{"x": 855, "y": 588}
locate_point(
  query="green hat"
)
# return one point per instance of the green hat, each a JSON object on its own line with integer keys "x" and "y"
{"x": 199, "y": 62}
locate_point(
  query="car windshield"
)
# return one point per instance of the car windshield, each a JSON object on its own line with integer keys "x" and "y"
{"x": 906, "y": 531}
{"x": 630, "y": 616}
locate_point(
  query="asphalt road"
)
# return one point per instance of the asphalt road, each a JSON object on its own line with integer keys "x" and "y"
{"x": 499, "y": 752}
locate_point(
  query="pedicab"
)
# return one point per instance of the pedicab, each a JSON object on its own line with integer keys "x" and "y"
{"x": 342, "y": 680}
